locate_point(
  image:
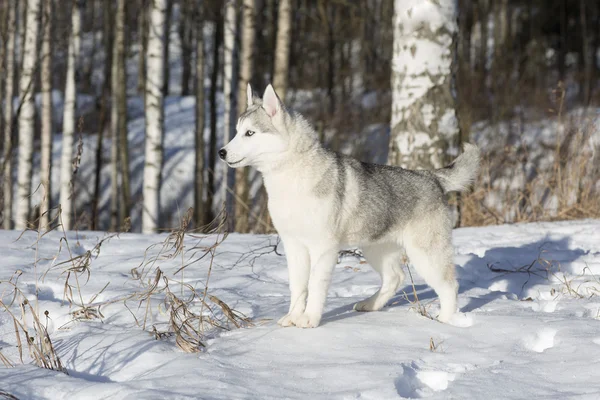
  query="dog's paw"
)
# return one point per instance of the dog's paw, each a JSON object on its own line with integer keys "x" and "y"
{"x": 288, "y": 320}
{"x": 307, "y": 321}
{"x": 366, "y": 305}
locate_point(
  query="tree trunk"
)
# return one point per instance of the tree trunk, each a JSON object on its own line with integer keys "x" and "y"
{"x": 47, "y": 125}
{"x": 562, "y": 50}
{"x": 7, "y": 162}
{"x": 229, "y": 32}
{"x": 69, "y": 116}
{"x": 587, "y": 51}
{"x": 143, "y": 45}
{"x": 185, "y": 38}
{"x": 27, "y": 115}
{"x": 246, "y": 68}
{"x": 282, "y": 48}
{"x": 87, "y": 60}
{"x": 4, "y": 10}
{"x": 199, "y": 205}
{"x": 483, "y": 39}
{"x": 212, "y": 149}
{"x": 424, "y": 125}
{"x": 154, "y": 116}
{"x": 115, "y": 218}
{"x": 121, "y": 104}
{"x": 107, "y": 43}
{"x": 165, "y": 55}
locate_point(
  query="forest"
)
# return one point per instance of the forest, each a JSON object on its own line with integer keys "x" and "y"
{"x": 113, "y": 111}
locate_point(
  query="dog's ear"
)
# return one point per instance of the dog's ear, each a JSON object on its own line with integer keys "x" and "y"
{"x": 249, "y": 97}
{"x": 271, "y": 102}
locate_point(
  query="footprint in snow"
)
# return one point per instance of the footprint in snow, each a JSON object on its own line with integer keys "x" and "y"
{"x": 415, "y": 383}
{"x": 541, "y": 340}
{"x": 461, "y": 320}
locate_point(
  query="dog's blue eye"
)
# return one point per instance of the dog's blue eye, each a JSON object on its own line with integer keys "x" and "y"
{"x": 249, "y": 133}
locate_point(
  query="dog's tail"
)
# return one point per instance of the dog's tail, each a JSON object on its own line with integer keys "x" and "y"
{"x": 460, "y": 175}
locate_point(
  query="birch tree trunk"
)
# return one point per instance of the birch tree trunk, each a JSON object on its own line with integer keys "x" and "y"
{"x": 70, "y": 107}
{"x": 27, "y": 115}
{"x": 229, "y": 32}
{"x": 47, "y": 125}
{"x": 424, "y": 125}
{"x": 282, "y": 48}
{"x": 246, "y": 69}
{"x": 199, "y": 204}
{"x": 7, "y": 162}
{"x": 154, "y": 116}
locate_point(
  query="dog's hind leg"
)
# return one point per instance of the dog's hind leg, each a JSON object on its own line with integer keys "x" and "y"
{"x": 387, "y": 260}
{"x": 429, "y": 249}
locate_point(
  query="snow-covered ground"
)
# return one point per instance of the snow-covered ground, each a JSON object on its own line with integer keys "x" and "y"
{"x": 528, "y": 334}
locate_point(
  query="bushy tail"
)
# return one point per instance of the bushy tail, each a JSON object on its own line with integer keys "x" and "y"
{"x": 460, "y": 175}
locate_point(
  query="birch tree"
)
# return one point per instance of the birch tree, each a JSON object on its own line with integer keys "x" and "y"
{"x": 154, "y": 116}
{"x": 11, "y": 40}
{"x": 282, "y": 48}
{"x": 246, "y": 68}
{"x": 47, "y": 120}
{"x": 27, "y": 115}
{"x": 69, "y": 123}
{"x": 424, "y": 124}
{"x": 199, "y": 204}
{"x": 229, "y": 32}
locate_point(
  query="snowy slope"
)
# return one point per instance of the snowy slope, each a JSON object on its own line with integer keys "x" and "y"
{"x": 528, "y": 334}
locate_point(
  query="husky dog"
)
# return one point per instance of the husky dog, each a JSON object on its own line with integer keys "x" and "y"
{"x": 321, "y": 201}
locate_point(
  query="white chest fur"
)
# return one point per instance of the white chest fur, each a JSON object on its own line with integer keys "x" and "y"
{"x": 294, "y": 207}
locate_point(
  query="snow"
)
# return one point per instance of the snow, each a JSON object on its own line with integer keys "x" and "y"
{"x": 527, "y": 334}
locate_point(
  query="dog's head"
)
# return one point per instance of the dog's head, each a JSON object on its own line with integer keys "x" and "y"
{"x": 262, "y": 137}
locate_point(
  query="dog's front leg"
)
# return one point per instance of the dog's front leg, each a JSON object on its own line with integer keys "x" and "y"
{"x": 298, "y": 269}
{"x": 323, "y": 263}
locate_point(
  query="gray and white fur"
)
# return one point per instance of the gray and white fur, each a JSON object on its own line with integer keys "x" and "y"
{"x": 321, "y": 201}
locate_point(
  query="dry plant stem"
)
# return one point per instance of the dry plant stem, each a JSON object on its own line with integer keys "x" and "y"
{"x": 40, "y": 347}
{"x": 187, "y": 326}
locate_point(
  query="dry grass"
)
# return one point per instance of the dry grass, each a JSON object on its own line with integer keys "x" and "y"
{"x": 579, "y": 286}
{"x": 553, "y": 181}
{"x": 192, "y": 314}
{"x": 29, "y": 329}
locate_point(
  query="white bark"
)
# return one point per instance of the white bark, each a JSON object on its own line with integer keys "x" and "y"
{"x": 229, "y": 31}
{"x": 69, "y": 122}
{"x": 47, "y": 125}
{"x": 424, "y": 124}
{"x": 11, "y": 41}
{"x": 282, "y": 48}
{"x": 27, "y": 115}
{"x": 154, "y": 116}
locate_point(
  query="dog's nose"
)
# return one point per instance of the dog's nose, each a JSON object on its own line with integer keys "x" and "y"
{"x": 222, "y": 154}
